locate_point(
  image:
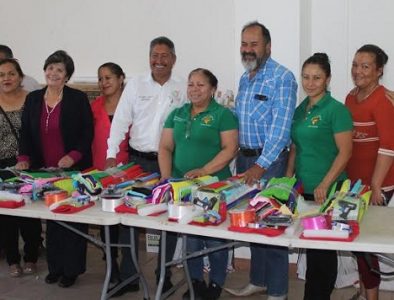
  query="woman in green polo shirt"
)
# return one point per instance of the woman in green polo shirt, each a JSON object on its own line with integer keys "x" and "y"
{"x": 200, "y": 138}
{"x": 321, "y": 147}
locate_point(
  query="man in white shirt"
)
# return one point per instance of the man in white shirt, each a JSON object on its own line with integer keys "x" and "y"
{"x": 28, "y": 83}
{"x": 145, "y": 104}
{"x": 142, "y": 110}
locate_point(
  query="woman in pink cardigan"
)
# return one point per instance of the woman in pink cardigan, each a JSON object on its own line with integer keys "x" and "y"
{"x": 111, "y": 81}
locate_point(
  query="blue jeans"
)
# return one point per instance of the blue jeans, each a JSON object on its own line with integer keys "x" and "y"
{"x": 269, "y": 265}
{"x": 217, "y": 260}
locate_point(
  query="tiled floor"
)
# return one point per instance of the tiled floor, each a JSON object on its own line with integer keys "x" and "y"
{"x": 89, "y": 284}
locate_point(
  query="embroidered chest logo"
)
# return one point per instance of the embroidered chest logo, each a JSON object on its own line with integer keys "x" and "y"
{"x": 315, "y": 120}
{"x": 207, "y": 120}
{"x": 175, "y": 97}
{"x": 145, "y": 97}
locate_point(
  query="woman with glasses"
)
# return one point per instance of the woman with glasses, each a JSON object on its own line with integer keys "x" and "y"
{"x": 200, "y": 138}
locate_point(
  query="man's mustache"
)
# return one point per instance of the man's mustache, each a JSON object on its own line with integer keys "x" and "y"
{"x": 252, "y": 54}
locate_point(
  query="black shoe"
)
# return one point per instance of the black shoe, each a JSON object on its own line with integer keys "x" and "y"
{"x": 199, "y": 288}
{"x": 129, "y": 288}
{"x": 52, "y": 278}
{"x": 212, "y": 292}
{"x": 66, "y": 282}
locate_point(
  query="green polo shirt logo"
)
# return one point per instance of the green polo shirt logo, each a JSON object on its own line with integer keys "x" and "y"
{"x": 314, "y": 138}
{"x": 207, "y": 120}
{"x": 315, "y": 120}
{"x": 197, "y": 139}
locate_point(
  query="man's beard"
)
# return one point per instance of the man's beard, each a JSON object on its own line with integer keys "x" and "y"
{"x": 251, "y": 65}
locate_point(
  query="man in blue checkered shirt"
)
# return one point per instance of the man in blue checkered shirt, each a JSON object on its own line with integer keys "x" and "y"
{"x": 264, "y": 105}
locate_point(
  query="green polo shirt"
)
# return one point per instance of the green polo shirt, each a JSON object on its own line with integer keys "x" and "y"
{"x": 313, "y": 134}
{"x": 197, "y": 139}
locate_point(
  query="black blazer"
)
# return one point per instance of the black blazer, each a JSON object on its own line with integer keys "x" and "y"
{"x": 76, "y": 127}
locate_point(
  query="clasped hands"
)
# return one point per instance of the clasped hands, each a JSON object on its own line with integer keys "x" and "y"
{"x": 65, "y": 162}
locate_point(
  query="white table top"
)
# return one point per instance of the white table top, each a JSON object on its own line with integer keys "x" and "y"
{"x": 91, "y": 215}
{"x": 161, "y": 223}
{"x": 376, "y": 233}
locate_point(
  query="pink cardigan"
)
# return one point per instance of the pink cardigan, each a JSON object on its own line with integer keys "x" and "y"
{"x": 102, "y": 127}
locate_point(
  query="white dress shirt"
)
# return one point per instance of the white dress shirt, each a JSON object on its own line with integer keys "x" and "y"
{"x": 144, "y": 105}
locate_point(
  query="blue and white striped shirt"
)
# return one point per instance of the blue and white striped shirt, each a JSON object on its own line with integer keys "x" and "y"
{"x": 265, "y": 106}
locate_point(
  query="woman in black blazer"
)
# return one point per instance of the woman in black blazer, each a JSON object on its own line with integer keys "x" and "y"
{"x": 57, "y": 131}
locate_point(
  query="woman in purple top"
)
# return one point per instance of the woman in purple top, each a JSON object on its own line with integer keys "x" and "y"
{"x": 57, "y": 131}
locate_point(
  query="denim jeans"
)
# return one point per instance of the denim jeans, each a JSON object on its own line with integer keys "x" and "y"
{"x": 269, "y": 265}
{"x": 217, "y": 259}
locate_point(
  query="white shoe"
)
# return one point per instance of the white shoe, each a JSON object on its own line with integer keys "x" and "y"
{"x": 247, "y": 290}
{"x": 284, "y": 297}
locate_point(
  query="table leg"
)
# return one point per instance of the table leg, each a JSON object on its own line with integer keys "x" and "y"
{"x": 107, "y": 249}
{"x": 135, "y": 262}
{"x": 185, "y": 266}
{"x": 108, "y": 259}
{"x": 163, "y": 240}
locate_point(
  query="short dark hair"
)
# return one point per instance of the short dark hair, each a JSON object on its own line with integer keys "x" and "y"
{"x": 381, "y": 57}
{"x": 14, "y": 62}
{"x": 61, "y": 56}
{"x": 115, "y": 69}
{"x": 6, "y": 51}
{"x": 264, "y": 30}
{"x": 320, "y": 59}
{"x": 162, "y": 40}
{"x": 213, "y": 81}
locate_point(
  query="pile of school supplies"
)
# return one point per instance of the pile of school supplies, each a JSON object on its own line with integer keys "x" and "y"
{"x": 181, "y": 207}
{"x": 270, "y": 211}
{"x": 339, "y": 216}
{"x": 71, "y": 191}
